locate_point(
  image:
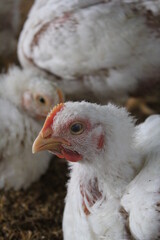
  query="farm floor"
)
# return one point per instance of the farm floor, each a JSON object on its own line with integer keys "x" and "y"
{"x": 35, "y": 213}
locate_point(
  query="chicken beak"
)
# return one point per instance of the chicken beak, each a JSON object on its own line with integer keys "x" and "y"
{"x": 51, "y": 144}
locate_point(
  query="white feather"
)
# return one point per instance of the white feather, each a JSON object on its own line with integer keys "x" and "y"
{"x": 114, "y": 188}
{"x": 19, "y": 126}
{"x": 81, "y": 39}
{"x": 142, "y": 196}
{"x": 18, "y": 166}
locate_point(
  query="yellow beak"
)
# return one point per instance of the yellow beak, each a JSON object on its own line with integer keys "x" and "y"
{"x": 51, "y": 144}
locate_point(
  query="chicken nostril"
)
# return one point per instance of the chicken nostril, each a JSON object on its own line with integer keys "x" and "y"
{"x": 47, "y": 133}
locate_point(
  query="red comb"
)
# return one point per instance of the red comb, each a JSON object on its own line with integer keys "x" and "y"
{"x": 51, "y": 115}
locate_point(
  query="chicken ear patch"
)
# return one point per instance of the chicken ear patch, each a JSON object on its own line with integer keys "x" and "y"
{"x": 100, "y": 142}
{"x": 98, "y": 137}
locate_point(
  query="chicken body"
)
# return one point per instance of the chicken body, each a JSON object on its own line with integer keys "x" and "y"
{"x": 18, "y": 167}
{"x": 109, "y": 48}
{"x": 25, "y": 99}
{"x": 142, "y": 197}
{"x": 98, "y": 181}
{"x": 109, "y": 186}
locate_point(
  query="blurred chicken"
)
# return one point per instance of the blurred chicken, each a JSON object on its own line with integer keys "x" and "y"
{"x": 109, "y": 48}
{"x": 98, "y": 142}
{"x": 142, "y": 197}
{"x": 25, "y": 99}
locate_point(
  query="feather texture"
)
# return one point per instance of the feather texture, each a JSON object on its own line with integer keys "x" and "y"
{"x": 113, "y": 191}
{"x": 18, "y": 167}
{"x": 107, "y": 60}
{"x": 25, "y": 99}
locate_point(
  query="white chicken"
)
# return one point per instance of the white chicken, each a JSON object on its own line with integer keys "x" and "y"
{"x": 25, "y": 99}
{"x": 104, "y": 163}
{"x": 142, "y": 197}
{"x": 109, "y": 48}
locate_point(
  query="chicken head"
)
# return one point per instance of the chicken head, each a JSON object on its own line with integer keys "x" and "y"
{"x": 71, "y": 134}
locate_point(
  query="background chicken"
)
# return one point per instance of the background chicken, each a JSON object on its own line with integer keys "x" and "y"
{"x": 25, "y": 99}
{"x": 142, "y": 197}
{"x": 30, "y": 91}
{"x": 109, "y": 48}
{"x": 98, "y": 142}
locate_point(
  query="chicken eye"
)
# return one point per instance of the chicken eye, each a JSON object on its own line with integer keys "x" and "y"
{"x": 41, "y": 100}
{"x": 76, "y": 128}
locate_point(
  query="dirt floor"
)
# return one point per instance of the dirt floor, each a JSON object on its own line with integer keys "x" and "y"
{"x": 35, "y": 213}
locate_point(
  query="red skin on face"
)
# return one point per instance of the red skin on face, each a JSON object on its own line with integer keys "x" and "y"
{"x": 68, "y": 154}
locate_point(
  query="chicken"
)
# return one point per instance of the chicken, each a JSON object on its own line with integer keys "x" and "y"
{"x": 25, "y": 99}
{"x": 109, "y": 48}
{"x": 142, "y": 197}
{"x": 29, "y": 91}
{"x": 109, "y": 184}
